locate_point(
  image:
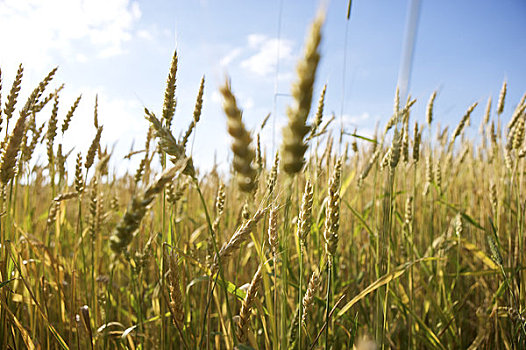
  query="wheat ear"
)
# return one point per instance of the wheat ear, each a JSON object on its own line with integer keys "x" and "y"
{"x": 169, "y": 94}
{"x": 197, "y": 112}
{"x": 332, "y": 217}
{"x": 237, "y": 239}
{"x": 244, "y": 314}
{"x": 293, "y": 146}
{"x": 123, "y": 233}
{"x": 241, "y": 141}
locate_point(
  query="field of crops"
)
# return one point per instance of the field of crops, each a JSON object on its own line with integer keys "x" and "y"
{"x": 413, "y": 239}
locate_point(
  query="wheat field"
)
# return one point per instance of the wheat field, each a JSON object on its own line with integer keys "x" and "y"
{"x": 412, "y": 239}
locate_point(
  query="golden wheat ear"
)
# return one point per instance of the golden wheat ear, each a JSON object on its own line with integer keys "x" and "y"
{"x": 169, "y": 93}
{"x": 240, "y": 236}
{"x": 244, "y": 154}
{"x": 293, "y": 146}
{"x": 244, "y": 314}
{"x": 305, "y": 215}
{"x": 308, "y": 298}
{"x": 332, "y": 217}
{"x": 197, "y": 113}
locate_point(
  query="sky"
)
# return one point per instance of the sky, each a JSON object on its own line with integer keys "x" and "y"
{"x": 121, "y": 50}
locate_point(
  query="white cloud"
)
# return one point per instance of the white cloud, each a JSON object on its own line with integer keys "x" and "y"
{"x": 145, "y": 34}
{"x": 39, "y": 33}
{"x": 361, "y": 122}
{"x": 255, "y": 40}
{"x": 264, "y": 60}
{"x": 81, "y": 58}
{"x": 225, "y": 61}
{"x": 357, "y": 119}
{"x": 215, "y": 97}
{"x": 247, "y": 103}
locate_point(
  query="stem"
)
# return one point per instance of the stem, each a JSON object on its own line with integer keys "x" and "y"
{"x": 300, "y": 293}
{"x": 328, "y": 301}
{"x": 285, "y": 261}
{"x": 276, "y": 298}
{"x": 108, "y": 301}
{"x": 212, "y": 233}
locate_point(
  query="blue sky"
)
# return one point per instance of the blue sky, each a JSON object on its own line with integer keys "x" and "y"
{"x": 121, "y": 50}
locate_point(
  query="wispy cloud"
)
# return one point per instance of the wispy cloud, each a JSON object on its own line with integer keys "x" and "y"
{"x": 145, "y": 34}
{"x": 264, "y": 60}
{"x": 260, "y": 55}
{"x": 39, "y": 32}
{"x": 225, "y": 61}
{"x": 364, "y": 123}
{"x": 359, "y": 119}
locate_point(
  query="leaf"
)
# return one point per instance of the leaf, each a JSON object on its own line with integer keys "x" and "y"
{"x": 230, "y": 287}
{"x": 195, "y": 281}
{"x": 2, "y": 284}
{"x": 430, "y": 335}
{"x": 382, "y": 281}
{"x": 39, "y": 308}
{"x": 346, "y": 183}
{"x": 25, "y": 335}
{"x": 233, "y": 289}
{"x": 362, "y": 220}
{"x": 464, "y": 215}
{"x": 360, "y": 137}
{"x": 479, "y": 254}
{"x": 127, "y": 331}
